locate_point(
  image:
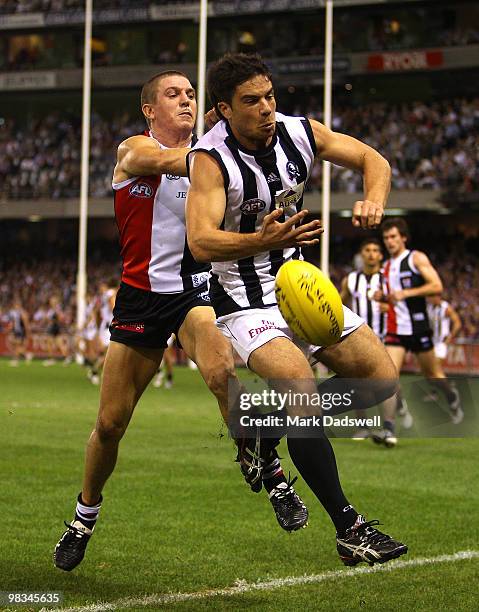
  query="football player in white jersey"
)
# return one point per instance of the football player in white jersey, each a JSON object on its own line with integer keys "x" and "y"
{"x": 163, "y": 291}
{"x": 358, "y": 290}
{"x": 445, "y": 324}
{"x": 243, "y": 214}
{"x": 409, "y": 278}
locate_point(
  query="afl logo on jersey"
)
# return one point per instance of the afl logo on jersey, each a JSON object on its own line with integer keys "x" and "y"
{"x": 253, "y": 207}
{"x": 172, "y": 177}
{"x": 141, "y": 190}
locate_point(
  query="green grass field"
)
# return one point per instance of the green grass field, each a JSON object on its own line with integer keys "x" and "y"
{"x": 177, "y": 517}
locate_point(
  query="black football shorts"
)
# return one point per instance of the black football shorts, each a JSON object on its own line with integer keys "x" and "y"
{"x": 145, "y": 318}
{"x": 417, "y": 343}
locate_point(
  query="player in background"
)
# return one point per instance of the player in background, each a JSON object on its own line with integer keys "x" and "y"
{"x": 163, "y": 291}
{"x": 19, "y": 325}
{"x": 243, "y": 214}
{"x": 88, "y": 339}
{"x": 409, "y": 278}
{"x": 107, "y": 295}
{"x": 446, "y": 325}
{"x": 56, "y": 322}
{"x": 358, "y": 289}
{"x": 164, "y": 376}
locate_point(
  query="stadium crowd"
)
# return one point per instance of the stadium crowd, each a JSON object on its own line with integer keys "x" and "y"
{"x": 430, "y": 146}
{"x": 35, "y": 282}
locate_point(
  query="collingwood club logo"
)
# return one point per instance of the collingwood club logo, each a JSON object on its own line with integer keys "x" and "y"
{"x": 172, "y": 177}
{"x": 292, "y": 170}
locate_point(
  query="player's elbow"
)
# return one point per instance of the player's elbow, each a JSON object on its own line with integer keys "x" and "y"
{"x": 198, "y": 249}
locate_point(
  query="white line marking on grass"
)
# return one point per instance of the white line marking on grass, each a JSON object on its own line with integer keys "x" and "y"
{"x": 246, "y": 587}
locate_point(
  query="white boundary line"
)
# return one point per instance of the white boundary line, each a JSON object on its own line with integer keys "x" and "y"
{"x": 242, "y": 586}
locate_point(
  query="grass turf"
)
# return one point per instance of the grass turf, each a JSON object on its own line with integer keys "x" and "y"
{"x": 177, "y": 516}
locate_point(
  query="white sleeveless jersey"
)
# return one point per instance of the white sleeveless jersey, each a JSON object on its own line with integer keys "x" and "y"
{"x": 106, "y": 311}
{"x": 361, "y": 287}
{"x": 256, "y": 183}
{"x": 407, "y": 317}
{"x": 150, "y": 214}
{"x": 440, "y": 322}
{"x": 15, "y": 316}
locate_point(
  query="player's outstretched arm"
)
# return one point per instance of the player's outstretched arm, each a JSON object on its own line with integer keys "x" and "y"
{"x": 205, "y": 209}
{"x": 351, "y": 153}
{"x": 141, "y": 156}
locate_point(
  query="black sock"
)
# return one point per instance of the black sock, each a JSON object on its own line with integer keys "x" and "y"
{"x": 315, "y": 461}
{"x": 445, "y": 386}
{"x": 389, "y": 425}
{"x": 87, "y": 514}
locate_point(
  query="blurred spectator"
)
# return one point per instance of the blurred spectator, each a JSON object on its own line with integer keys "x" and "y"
{"x": 429, "y": 146}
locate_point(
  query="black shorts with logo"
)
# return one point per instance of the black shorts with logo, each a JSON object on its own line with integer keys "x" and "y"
{"x": 145, "y": 318}
{"x": 418, "y": 343}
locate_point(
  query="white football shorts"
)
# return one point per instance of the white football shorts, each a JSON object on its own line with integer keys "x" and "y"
{"x": 440, "y": 350}
{"x": 249, "y": 329}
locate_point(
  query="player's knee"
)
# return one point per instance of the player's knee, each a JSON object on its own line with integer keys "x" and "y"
{"x": 110, "y": 429}
{"x": 218, "y": 378}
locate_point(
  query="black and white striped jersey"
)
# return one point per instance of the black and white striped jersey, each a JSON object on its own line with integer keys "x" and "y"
{"x": 439, "y": 321}
{"x": 362, "y": 287}
{"x": 256, "y": 183}
{"x": 407, "y": 317}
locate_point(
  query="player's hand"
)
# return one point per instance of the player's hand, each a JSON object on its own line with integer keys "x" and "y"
{"x": 396, "y": 296}
{"x": 383, "y": 307}
{"x": 448, "y": 340}
{"x": 378, "y": 296}
{"x": 211, "y": 119}
{"x": 367, "y": 214}
{"x": 275, "y": 234}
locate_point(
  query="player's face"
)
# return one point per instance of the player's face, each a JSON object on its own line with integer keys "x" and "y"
{"x": 435, "y": 300}
{"x": 175, "y": 103}
{"x": 371, "y": 254}
{"x": 251, "y": 113}
{"x": 393, "y": 241}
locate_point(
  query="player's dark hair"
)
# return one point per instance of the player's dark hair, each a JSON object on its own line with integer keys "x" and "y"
{"x": 367, "y": 241}
{"x": 232, "y": 70}
{"x": 398, "y": 223}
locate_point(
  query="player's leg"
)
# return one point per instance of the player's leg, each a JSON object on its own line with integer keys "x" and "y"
{"x": 213, "y": 354}
{"x": 127, "y": 371}
{"x": 314, "y": 458}
{"x": 361, "y": 355}
{"x": 432, "y": 369}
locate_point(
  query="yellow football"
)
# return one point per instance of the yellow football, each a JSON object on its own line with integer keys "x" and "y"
{"x": 309, "y": 302}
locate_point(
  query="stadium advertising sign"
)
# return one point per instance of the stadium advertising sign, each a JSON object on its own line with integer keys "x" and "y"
{"x": 28, "y": 80}
{"x": 21, "y": 20}
{"x": 304, "y": 65}
{"x": 188, "y": 10}
{"x": 405, "y": 60}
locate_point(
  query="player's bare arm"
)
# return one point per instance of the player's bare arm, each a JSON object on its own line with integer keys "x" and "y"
{"x": 344, "y": 293}
{"x": 432, "y": 284}
{"x": 456, "y": 324}
{"x": 141, "y": 156}
{"x": 351, "y": 153}
{"x": 205, "y": 208}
